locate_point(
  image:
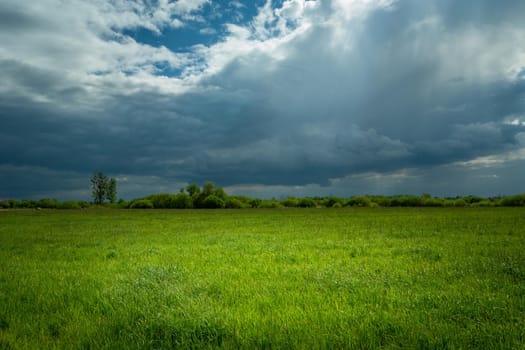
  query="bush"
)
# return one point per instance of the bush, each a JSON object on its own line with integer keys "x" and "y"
{"x": 514, "y": 201}
{"x": 48, "y": 203}
{"x": 161, "y": 200}
{"x": 483, "y": 203}
{"x": 332, "y": 201}
{"x": 306, "y": 203}
{"x": 380, "y": 201}
{"x": 233, "y": 203}
{"x": 270, "y": 204}
{"x": 83, "y": 204}
{"x": 213, "y": 202}
{"x": 473, "y": 199}
{"x": 141, "y": 204}
{"x": 69, "y": 205}
{"x": 407, "y": 201}
{"x": 122, "y": 204}
{"x": 255, "y": 203}
{"x": 290, "y": 202}
{"x": 244, "y": 200}
{"x": 460, "y": 203}
{"x": 181, "y": 201}
{"x": 26, "y": 204}
{"x": 359, "y": 201}
{"x": 433, "y": 202}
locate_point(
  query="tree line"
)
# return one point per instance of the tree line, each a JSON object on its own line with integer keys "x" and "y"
{"x": 210, "y": 196}
{"x": 215, "y": 198}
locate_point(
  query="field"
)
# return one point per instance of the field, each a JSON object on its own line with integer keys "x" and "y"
{"x": 279, "y": 279}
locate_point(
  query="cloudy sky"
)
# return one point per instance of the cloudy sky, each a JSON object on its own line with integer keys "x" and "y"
{"x": 265, "y": 98}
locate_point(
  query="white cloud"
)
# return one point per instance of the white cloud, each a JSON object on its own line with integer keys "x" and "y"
{"x": 86, "y": 48}
{"x": 276, "y": 191}
{"x": 236, "y": 4}
{"x": 482, "y": 53}
{"x": 238, "y": 32}
{"x": 468, "y": 53}
{"x": 208, "y": 31}
{"x": 496, "y": 160}
{"x": 515, "y": 120}
{"x": 349, "y": 9}
{"x": 183, "y": 7}
{"x": 177, "y": 23}
{"x": 84, "y": 43}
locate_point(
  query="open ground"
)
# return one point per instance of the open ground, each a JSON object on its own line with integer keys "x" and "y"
{"x": 282, "y": 278}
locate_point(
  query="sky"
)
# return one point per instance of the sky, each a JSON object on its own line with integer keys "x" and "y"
{"x": 264, "y": 98}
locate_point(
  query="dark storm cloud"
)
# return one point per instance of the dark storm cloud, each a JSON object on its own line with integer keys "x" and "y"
{"x": 382, "y": 106}
{"x": 36, "y": 182}
{"x": 415, "y": 85}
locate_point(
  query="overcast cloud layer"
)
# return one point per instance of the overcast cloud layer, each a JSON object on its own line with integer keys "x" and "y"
{"x": 268, "y": 98}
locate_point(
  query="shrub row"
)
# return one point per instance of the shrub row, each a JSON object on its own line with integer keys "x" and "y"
{"x": 44, "y": 203}
{"x": 184, "y": 201}
{"x": 211, "y": 197}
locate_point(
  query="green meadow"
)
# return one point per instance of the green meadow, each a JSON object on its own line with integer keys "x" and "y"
{"x": 408, "y": 278}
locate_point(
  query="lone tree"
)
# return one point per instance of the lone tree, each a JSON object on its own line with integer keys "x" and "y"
{"x": 111, "y": 190}
{"x": 103, "y": 188}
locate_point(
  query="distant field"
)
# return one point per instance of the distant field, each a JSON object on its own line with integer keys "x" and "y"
{"x": 280, "y": 279}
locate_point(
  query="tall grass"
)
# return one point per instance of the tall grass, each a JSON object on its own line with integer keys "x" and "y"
{"x": 280, "y": 279}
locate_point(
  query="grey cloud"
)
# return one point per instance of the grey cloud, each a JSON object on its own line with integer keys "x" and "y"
{"x": 23, "y": 78}
{"x": 381, "y": 103}
{"x": 484, "y": 11}
{"x": 447, "y": 181}
{"x": 382, "y": 84}
{"x": 33, "y": 182}
{"x": 467, "y": 142}
{"x": 14, "y": 20}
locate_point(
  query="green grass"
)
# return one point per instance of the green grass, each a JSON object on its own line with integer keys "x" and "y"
{"x": 279, "y": 279}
